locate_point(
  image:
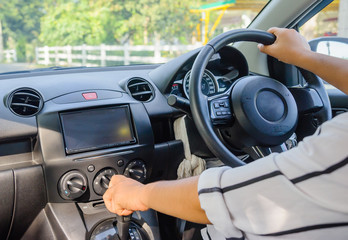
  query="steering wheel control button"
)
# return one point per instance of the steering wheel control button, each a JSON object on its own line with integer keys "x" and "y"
{"x": 220, "y": 111}
{"x": 136, "y": 170}
{"x": 91, "y": 168}
{"x": 102, "y": 180}
{"x": 217, "y": 105}
{"x": 270, "y": 105}
{"x": 72, "y": 185}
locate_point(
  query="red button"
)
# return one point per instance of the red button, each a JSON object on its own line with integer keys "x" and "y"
{"x": 90, "y": 95}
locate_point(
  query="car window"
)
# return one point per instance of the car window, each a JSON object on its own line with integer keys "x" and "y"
{"x": 70, "y": 33}
{"x": 330, "y": 21}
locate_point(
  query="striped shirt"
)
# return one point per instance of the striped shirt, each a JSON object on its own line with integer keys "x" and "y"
{"x": 298, "y": 194}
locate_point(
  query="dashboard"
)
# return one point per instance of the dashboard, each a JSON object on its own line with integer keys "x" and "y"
{"x": 84, "y": 125}
{"x": 65, "y": 133}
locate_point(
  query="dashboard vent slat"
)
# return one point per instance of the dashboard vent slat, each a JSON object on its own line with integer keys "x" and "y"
{"x": 25, "y": 102}
{"x": 27, "y": 94}
{"x": 142, "y": 93}
{"x": 24, "y": 105}
{"x": 140, "y": 89}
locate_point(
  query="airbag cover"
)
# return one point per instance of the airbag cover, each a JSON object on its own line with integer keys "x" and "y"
{"x": 265, "y": 109}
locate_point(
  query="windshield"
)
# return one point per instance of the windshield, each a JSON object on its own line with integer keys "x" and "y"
{"x": 71, "y": 33}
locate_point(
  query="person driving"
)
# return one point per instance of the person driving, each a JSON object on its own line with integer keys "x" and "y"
{"x": 298, "y": 194}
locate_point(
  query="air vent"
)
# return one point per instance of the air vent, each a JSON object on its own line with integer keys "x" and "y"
{"x": 140, "y": 89}
{"x": 25, "y": 102}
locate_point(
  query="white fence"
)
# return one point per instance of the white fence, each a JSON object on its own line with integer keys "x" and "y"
{"x": 101, "y": 55}
{"x": 10, "y": 56}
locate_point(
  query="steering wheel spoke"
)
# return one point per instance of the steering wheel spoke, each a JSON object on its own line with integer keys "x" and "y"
{"x": 256, "y": 152}
{"x": 307, "y": 99}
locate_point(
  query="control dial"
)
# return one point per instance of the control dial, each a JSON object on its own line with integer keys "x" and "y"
{"x": 136, "y": 170}
{"x": 102, "y": 180}
{"x": 72, "y": 185}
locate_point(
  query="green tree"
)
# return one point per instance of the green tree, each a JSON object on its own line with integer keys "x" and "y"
{"x": 21, "y": 23}
{"x": 169, "y": 20}
{"x": 117, "y": 21}
{"x": 75, "y": 23}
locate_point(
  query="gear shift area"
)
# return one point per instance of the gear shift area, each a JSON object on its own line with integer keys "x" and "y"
{"x": 123, "y": 226}
{"x": 119, "y": 228}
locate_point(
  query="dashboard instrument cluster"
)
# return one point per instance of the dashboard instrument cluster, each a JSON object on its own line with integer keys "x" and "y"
{"x": 223, "y": 69}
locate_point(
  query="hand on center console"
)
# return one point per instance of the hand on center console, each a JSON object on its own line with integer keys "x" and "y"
{"x": 123, "y": 196}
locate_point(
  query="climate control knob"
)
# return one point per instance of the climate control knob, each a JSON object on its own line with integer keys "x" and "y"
{"x": 72, "y": 185}
{"x": 136, "y": 170}
{"x": 102, "y": 180}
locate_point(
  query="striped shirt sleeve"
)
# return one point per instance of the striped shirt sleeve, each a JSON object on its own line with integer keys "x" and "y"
{"x": 299, "y": 194}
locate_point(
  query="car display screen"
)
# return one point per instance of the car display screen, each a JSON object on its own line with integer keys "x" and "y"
{"x": 93, "y": 129}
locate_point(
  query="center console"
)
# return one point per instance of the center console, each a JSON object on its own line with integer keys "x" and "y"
{"x": 83, "y": 145}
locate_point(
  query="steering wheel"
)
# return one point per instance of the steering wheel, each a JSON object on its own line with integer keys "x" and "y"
{"x": 256, "y": 112}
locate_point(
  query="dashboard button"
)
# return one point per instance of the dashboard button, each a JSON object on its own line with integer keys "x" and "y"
{"x": 90, "y": 95}
{"x": 91, "y": 168}
{"x": 120, "y": 163}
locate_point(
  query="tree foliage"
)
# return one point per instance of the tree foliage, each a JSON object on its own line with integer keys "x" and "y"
{"x": 117, "y": 21}
{"x": 75, "y": 23}
{"x": 20, "y": 20}
{"x": 28, "y": 23}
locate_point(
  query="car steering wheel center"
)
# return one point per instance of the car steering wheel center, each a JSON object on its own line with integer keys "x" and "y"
{"x": 265, "y": 112}
{"x": 270, "y": 105}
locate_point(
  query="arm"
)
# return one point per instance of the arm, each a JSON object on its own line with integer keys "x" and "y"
{"x": 176, "y": 198}
{"x": 290, "y": 47}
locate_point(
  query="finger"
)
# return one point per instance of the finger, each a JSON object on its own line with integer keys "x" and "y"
{"x": 107, "y": 194}
{"x": 108, "y": 205}
{"x": 108, "y": 200}
{"x": 125, "y": 212}
{"x": 115, "y": 180}
{"x": 273, "y": 30}
{"x": 261, "y": 47}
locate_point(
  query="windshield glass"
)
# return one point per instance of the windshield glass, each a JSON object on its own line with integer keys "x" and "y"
{"x": 71, "y": 33}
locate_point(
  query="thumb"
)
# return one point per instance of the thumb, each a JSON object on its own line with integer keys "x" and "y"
{"x": 261, "y": 47}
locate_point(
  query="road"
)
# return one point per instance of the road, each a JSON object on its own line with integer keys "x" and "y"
{"x": 10, "y": 67}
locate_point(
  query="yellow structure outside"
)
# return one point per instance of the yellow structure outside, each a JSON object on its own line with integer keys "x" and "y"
{"x": 253, "y": 5}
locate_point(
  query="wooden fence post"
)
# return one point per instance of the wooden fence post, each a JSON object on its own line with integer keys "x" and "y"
{"x": 68, "y": 53}
{"x": 102, "y": 55}
{"x": 47, "y": 55}
{"x": 84, "y": 55}
{"x": 157, "y": 53}
{"x": 126, "y": 53}
{"x": 56, "y": 58}
{"x": 36, "y": 54}
{"x": 14, "y": 55}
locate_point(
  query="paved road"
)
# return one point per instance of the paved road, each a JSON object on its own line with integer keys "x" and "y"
{"x": 10, "y": 67}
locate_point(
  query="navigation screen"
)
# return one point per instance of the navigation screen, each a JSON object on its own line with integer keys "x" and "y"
{"x": 93, "y": 129}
